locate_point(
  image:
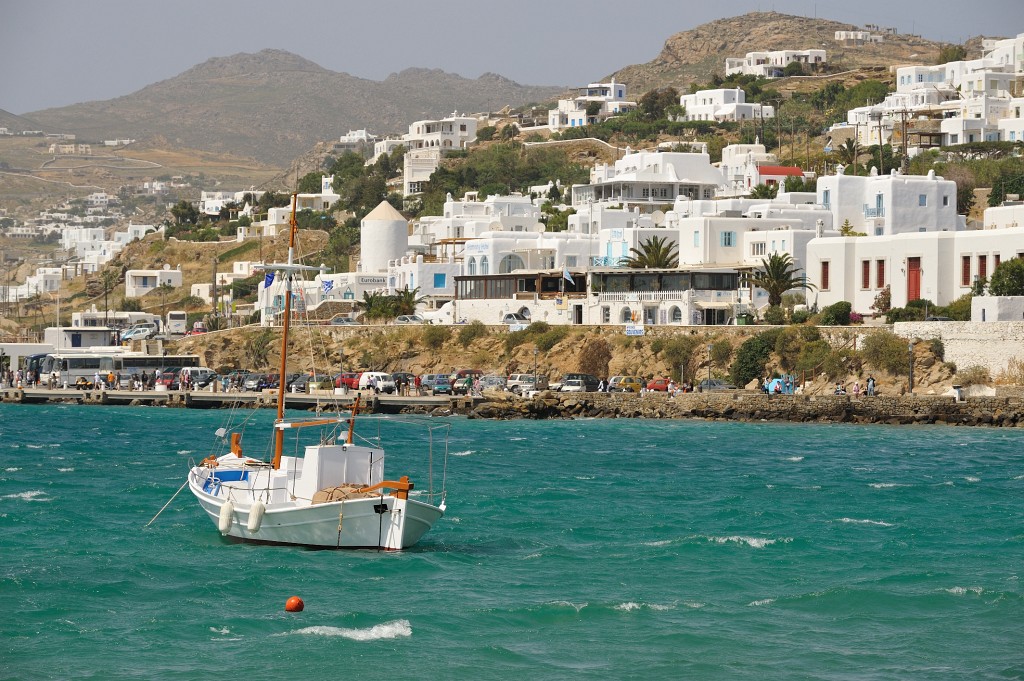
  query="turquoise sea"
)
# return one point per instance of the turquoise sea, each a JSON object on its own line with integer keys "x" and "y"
{"x": 597, "y": 549}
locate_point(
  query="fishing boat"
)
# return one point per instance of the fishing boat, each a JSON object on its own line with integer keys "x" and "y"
{"x": 334, "y": 495}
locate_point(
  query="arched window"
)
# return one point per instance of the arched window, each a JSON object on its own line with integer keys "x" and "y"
{"x": 509, "y": 263}
{"x": 627, "y": 316}
{"x": 485, "y": 265}
{"x": 471, "y": 265}
{"x": 675, "y": 314}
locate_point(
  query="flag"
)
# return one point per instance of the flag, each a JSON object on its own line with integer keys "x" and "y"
{"x": 567, "y": 276}
{"x": 328, "y": 285}
{"x": 268, "y": 280}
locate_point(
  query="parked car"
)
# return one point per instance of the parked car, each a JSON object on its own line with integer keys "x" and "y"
{"x": 573, "y": 385}
{"x": 515, "y": 318}
{"x": 436, "y": 384}
{"x": 715, "y": 384}
{"x": 410, "y": 319}
{"x": 385, "y": 383}
{"x": 349, "y": 379}
{"x": 624, "y": 384}
{"x": 590, "y": 382}
{"x": 659, "y": 384}
{"x": 937, "y": 319}
{"x": 492, "y": 382}
{"x": 168, "y": 379}
{"x": 342, "y": 320}
{"x": 458, "y": 380}
{"x": 520, "y": 384}
{"x": 198, "y": 328}
{"x": 254, "y": 382}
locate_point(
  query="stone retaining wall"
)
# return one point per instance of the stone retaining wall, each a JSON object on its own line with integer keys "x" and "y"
{"x": 751, "y": 406}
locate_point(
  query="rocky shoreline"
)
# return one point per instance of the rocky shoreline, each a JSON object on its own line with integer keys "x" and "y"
{"x": 750, "y": 406}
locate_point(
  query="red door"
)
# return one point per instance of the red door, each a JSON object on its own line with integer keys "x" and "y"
{"x": 913, "y": 279}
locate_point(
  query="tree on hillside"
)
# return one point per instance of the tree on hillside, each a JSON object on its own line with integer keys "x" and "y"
{"x": 1008, "y": 279}
{"x": 311, "y": 183}
{"x": 776, "y": 276}
{"x": 376, "y": 306}
{"x": 406, "y": 301}
{"x": 185, "y": 212}
{"x": 653, "y": 104}
{"x": 108, "y": 279}
{"x": 848, "y": 153}
{"x": 656, "y": 252}
{"x": 948, "y": 53}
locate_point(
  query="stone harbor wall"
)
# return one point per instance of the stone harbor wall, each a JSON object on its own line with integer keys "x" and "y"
{"x": 751, "y": 406}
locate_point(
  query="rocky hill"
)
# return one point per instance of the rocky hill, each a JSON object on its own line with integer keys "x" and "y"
{"x": 694, "y": 56}
{"x": 274, "y": 105}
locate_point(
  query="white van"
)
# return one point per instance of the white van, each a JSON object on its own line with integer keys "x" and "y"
{"x": 385, "y": 382}
{"x": 200, "y": 376}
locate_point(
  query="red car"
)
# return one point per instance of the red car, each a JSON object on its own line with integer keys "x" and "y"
{"x": 658, "y": 384}
{"x": 348, "y": 378}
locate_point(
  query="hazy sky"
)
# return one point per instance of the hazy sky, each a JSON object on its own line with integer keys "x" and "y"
{"x": 59, "y": 52}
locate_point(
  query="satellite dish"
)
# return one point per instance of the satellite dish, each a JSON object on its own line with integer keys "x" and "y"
{"x": 658, "y": 217}
{"x": 166, "y": 267}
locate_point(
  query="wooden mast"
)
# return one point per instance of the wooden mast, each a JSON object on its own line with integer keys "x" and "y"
{"x": 278, "y": 432}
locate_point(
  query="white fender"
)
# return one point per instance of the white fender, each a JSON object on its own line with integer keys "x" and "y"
{"x": 256, "y": 516}
{"x": 227, "y": 512}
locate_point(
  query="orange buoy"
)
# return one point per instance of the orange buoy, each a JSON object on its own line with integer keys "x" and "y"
{"x": 294, "y": 604}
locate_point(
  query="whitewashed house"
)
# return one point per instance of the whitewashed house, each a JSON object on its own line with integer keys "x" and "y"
{"x": 592, "y": 104}
{"x": 138, "y": 283}
{"x": 724, "y": 104}
{"x": 427, "y": 141}
{"x": 771, "y": 64}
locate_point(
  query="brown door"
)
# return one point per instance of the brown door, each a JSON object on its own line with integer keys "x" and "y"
{"x": 913, "y": 279}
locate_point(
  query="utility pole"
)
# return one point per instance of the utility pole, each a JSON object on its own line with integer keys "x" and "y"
{"x": 213, "y": 288}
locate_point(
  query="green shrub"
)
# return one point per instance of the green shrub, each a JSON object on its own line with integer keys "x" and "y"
{"x": 469, "y": 333}
{"x": 549, "y": 339}
{"x": 678, "y": 352}
{"x": 800, "y": 316}
{"x": 973, "y": 375}
{"x": 887, "y": 351}
{"x": 657, "y": 345}
{"x": 937, "y": 348}
{"x": 752, "y": 356}
{"x": 434, "y": 337}
{"x": 514, "y": 339}
{"x": 775, "y": 315}
{"x": 837, "y": 314}
{"x": 721, "y": 353}
{"x": 904, "y": 314}
{"x": 538, "y": 328}
{"x": 813, "y": 355}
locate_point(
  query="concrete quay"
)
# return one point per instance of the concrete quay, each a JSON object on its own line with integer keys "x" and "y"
{"x": 323, "y": 401}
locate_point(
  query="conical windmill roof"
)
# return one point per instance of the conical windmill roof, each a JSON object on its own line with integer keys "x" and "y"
{"x": 385, "y": 212}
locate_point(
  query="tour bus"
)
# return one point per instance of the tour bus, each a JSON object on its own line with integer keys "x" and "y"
{"x": 73, "y": 365}
{"x": 177, "y": 323}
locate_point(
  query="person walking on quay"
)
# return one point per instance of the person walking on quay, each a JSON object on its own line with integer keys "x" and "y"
{"x": 871, "y": 386}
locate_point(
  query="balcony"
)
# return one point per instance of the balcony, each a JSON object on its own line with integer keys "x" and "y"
{"x": 875, "y": 212}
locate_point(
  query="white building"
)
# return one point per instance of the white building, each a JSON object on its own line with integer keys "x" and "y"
{"x": 468, "y": 218}
{"x": 726, "y": 104}
{"x": 356, "y": 141}
{"x": 427, "y": 141}
{"x": 138, "y": 283}
{"x": 880, "y": 205}
{"x": 857, "y": 38}
{"x": 650, "y": 180}
{"x": 593, "y": 104}
{"x": 771, "y": 64}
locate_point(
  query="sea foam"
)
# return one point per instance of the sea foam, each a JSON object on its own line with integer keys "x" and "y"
{"x": 753, "y": 542}
{"x": 856, "y": 521}
{"x": 388, "y": 630}
{"x": 29, "y": 496}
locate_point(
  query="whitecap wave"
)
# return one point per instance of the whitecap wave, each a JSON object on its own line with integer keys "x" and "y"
{"x": 661, "y": 542}
{"x": 569, "y": 604}
{"x": 753, "y": 542}
{"x": 184, "y": 451}
{"x": 32, "y": 495}
{"x": 34, "y": 446}
{"x": 12, "y": 469}
{"x": 858, "y": 521}
{"x": 464, "y": 453}
{"x": 532, "y": 556}
{"x": 763, "y": 601}
{"x": 626, "y": 607}
{"x": 794, "y": 458}
{"x": 388, "y": 630}
{"x": 516, "y": 439}
{"x": 694, "y": 604}
{"x": 964, "y": 590}
{"x": 885, "y": 485}
{"x": 66, "y": 470}
{"x": 971, "y": 478}
{"x": 223, "y": 631}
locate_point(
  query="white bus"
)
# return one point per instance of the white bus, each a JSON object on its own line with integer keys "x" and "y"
{"x": 73, "y": 365}
{"x": 177, "y": 323}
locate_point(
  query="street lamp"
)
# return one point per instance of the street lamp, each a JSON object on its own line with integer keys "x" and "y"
{"x": 709, "y": 366}
{"x": 910, "y": 382}
{"x": 535, "y": 351}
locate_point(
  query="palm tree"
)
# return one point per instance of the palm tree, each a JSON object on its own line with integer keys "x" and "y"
{"x": 376, "y": 306}
{"x": 848, "y": 153}
{"x": 776, "y": 276}
{"x": 406, "y": 301}
{"x": 108, "y": 279}
{"x": 653, "y": 253}
{"x": 764, "y": 191}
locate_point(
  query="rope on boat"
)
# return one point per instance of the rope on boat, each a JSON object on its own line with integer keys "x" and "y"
{"x": 167, "y": 504}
